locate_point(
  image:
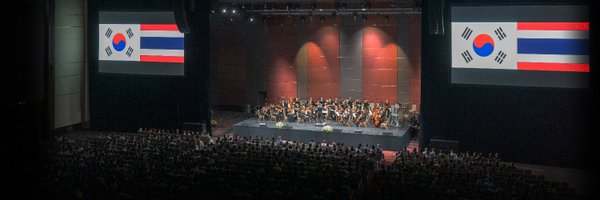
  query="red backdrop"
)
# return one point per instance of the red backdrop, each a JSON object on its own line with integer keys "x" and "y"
{"x": 323, "y": 60}
{"x": 380, "y": 52}
{"x": 281, "y": 72}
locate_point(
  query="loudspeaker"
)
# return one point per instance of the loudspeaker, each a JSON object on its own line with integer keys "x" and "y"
{"x": 436, "y": 17}
{"x": 386, "y": 133}
{"x": 182, "y": 9}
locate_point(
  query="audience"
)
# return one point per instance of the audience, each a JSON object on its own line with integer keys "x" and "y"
{"x": 161, "y": 164}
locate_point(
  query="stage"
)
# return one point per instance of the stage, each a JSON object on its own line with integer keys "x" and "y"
{"x": 390, "y": 139}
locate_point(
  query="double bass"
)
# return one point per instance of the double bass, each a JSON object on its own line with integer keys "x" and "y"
{"x": 377, "y": 120}
{"x": 374, "y": 114}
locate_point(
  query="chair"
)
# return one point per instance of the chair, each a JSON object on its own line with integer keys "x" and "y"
{"x": 365, "y": 123}
{"x": 385, "y": 124}
{"x": 299, "y": 118}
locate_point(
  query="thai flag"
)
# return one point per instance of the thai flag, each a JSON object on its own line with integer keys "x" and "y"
{"x": 553, "y": 46}
{"x": 155, "y": 43}
{"x": 522, "y": 46}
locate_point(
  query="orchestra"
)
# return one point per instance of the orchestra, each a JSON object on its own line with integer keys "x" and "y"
{"x": 346, "y": 112}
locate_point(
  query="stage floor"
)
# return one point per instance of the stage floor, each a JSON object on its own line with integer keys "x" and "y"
{"x": 391, "y": 139}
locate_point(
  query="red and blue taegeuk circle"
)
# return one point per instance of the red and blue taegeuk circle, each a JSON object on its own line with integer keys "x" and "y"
{"x": 119, "y": 42}
{"x": 483, "y": 45}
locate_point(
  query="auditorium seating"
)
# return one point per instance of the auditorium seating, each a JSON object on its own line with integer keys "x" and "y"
{"x": 153, "y": 164}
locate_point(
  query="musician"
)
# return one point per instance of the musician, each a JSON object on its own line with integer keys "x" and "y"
{"x": 387, "y": 114}
{"x": 357, "y": 103}
{"x": 297, "y": 103}
{"x": 394, "y": 115}
{"x": 319, "y": 113}
{"x": 284, "y": 104}
{"x": 291, "y": 114}
{"x": 363, "y": 119}
{"x": 331, "y": 111}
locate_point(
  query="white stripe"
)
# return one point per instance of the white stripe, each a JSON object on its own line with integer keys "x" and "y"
{"x": 161, "y": 34}
{"x": 155, "y": 52}
{"x": 554, "y": 34}
{"x": 552, "y": 58}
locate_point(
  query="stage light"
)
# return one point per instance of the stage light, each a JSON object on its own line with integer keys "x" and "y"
{"x": 224, "y": 11}
{"x": 385, "y": 19}
{"x": 233, "y": 11}
{"x": 355, "y": 16}
{"x": 322, "y": 19}
{"x": 364, "y": 17}
{"x": 251, "y": 19}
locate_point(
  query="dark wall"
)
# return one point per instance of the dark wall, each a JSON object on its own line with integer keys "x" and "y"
{"x": 28, "y": 110}
{"x": 524, "y": 124}
{"x": 127, "y": 102}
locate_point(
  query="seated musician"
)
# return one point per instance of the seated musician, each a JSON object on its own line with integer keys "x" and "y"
{"x": 364, "y": 119}
{"x": 365, "y": 104}
{"x": 331, "y": 111}
{"x": 339, "y": 114}
{"x": 357, "y": 102}
{"x": 291, "y": 114}
{"x": 260, "y": 114}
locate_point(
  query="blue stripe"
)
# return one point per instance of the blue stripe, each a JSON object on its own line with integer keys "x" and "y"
{"x": 553, "y": 46}
{"x": 161, "y": 43}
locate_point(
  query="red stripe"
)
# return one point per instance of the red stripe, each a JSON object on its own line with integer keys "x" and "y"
{"x": 159, "y": 27}
{"x": 559, "y": 67}
{"x": 557, "y": 26}
{"x": 163, "y": 59}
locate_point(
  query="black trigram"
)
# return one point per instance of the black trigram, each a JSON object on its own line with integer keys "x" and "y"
{"x": 108, "y": 51}
{"x": 467, "y": 33}
{"x": 129, "y": 51}
{"x": 108, "y": 33}
{"x": 467, "y": 56}
{"x": 500, "y": 57}
{"x": 500, "y": 33}
{"x": 129, "y": 33}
